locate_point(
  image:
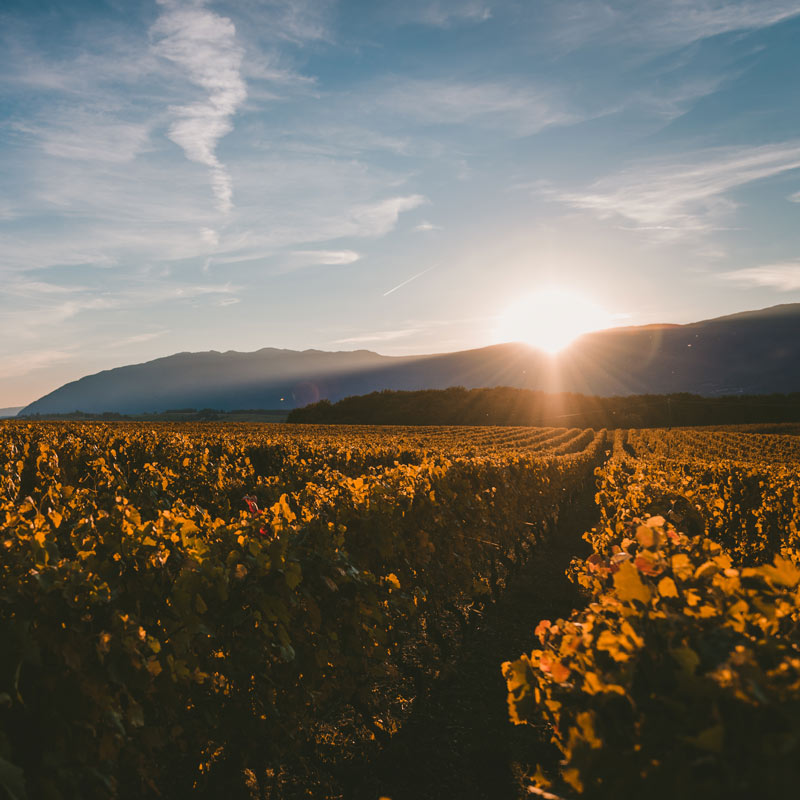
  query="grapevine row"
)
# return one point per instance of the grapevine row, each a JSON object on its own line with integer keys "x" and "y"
{"x": 681, "y": 676}
{"x": 162, "y": 636}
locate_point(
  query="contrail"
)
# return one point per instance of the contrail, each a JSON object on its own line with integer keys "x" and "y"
{"x": 408, "y": 280}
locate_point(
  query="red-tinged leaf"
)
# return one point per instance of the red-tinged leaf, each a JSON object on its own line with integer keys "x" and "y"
{"x": 541, "y": 629}
{"x": 559, "y": 672}
{"x": 647, "y": 566}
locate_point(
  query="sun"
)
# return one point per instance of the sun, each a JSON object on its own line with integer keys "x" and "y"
{"x": 550, "y": 319}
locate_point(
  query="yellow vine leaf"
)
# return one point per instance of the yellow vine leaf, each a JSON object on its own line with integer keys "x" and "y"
{"x": 667, "y": 588}
{"x": 613, "y": 645}
{"x": 516, "y": 675}
{"x": 682, "y": 566}
{"x": 540, "y": 779}
{"x": 594, "y": 684}
{"x": 392, "y": 579}
{"x": 585, "y": 720}
{"x": 573, "y": 777}
{"x": 784, "y": 573}
{"x": 706, "y": 569}
{"x": 628, "y": 585}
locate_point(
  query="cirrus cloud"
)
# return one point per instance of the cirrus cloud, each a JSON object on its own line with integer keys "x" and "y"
{"x": 783, "y": 276}
{"x": 684, "y": 194}
{"x": 324, "y": 257}
{"x": 204, "y": 45}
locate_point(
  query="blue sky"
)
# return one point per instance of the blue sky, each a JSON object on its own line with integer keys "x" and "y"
{"x": 188, "y": 175}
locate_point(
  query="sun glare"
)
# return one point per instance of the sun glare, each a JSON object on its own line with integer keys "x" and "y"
{"x": 550, "y": 319}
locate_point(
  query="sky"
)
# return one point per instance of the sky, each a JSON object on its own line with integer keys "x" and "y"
{"x": 185, "y": 175}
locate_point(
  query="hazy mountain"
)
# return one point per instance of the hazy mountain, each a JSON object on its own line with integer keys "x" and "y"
{"x": 754, "y": 352}
{"x": 10, "y": 412}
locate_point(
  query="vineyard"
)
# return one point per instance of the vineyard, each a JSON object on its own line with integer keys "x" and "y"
{"x": 205, "y": 608}
{"x": 680, "y": 675}
{"x": 192, "y": 609}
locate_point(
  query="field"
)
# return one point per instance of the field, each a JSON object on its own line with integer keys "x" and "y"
{"x": 680, "y": 676}
{"x": 192, "y": 609}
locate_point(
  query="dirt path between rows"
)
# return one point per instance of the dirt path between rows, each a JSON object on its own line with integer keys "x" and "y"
{"x": 458, "y": 742}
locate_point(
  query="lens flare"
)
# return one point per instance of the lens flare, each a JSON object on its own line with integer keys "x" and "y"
{"x": 550, "y": 319}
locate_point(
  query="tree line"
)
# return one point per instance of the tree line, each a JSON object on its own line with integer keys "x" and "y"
{"x": 508, "y": 406}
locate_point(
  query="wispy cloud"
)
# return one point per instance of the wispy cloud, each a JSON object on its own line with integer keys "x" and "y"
{"x": 783, "y": 276}
{"x": 85, "y": 135}
{"x": 204, "y": 45}
{"x": 209, "y": 236}
{"x": 309, "y": 224}
{"x": 294, "y": 21}
{"x": 43, "y": 306}
{"x": 414, "y": 336}
{"x": 379, "y": 218}
{"x": 278, "y": 78}
{"x": 148, "y": 291}
{"x": 88, "y": 72}
{"x": 332, "y": 257}
{"x": 198, "y": 290}
{"x": 139, "y": 338}
{"x": 340, "y": 140}
{"x": 29, "y": 320}
{"x": 442, "y": 13}
{"x": 675, "y": 197}
{"x": 668, "y": 100}
{"x": 681, "y": 22}
{"x": 18, "y": 364}
{"x": 119, "y": 214}
{"x": 24, "y": 288}
{"x": 522, "y": 110}
{"x": 101, "y": 244}
{"x": 378, "y": 336}
{"x": 425, "y": 226}
{"x": 654, "y": 25}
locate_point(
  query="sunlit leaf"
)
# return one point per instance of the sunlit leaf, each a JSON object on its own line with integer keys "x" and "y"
{"x": 667, "y": 588}
{"x": 628, "y": 585}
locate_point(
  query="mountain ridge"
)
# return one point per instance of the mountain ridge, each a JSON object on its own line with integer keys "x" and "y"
{"x": 753, "y": 352}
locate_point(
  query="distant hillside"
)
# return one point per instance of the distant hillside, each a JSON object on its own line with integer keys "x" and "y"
{"x": 754, "y": 352}
{"x": 10, "y": 412}
{"x": 172, "y": 415}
